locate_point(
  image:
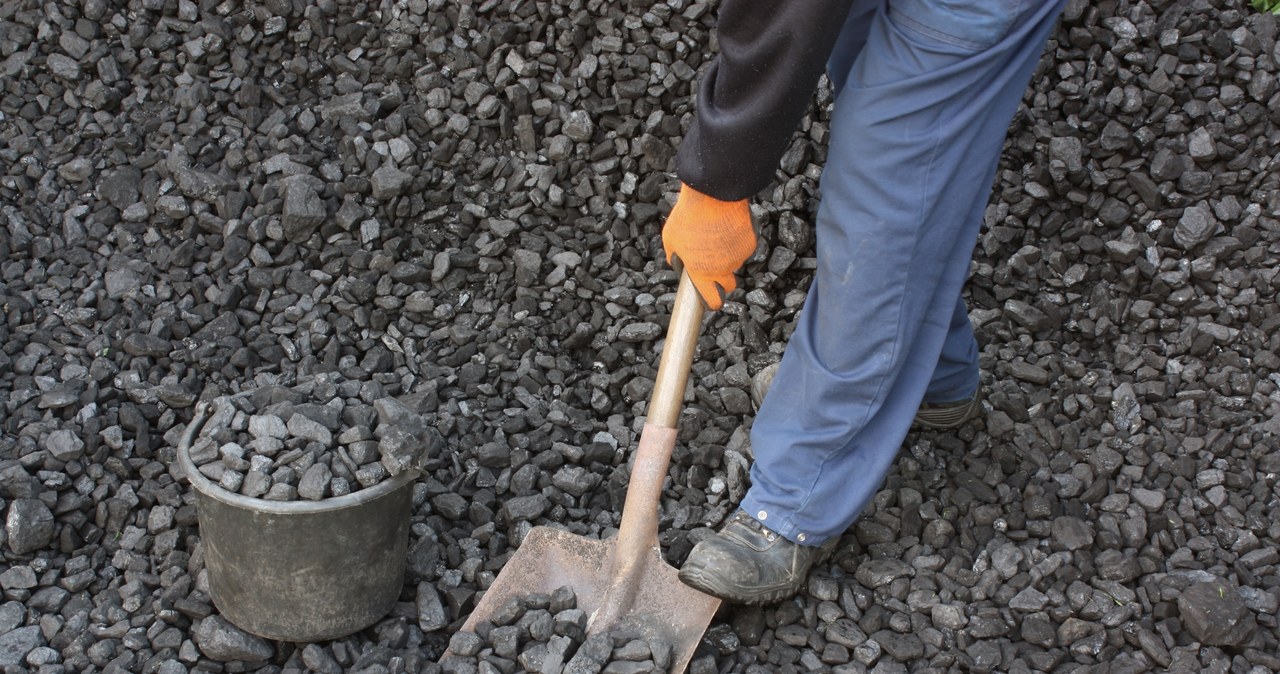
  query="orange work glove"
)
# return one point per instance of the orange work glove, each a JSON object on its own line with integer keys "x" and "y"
{"x": 712, "y": 239}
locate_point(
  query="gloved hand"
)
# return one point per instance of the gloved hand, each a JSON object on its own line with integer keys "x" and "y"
{"x": 712, "y": 239}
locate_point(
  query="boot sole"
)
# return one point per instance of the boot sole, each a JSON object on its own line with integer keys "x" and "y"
{"x": 699, "y": 579}
{"x": 710, "y": 584}
{"x": 949, "y": 417}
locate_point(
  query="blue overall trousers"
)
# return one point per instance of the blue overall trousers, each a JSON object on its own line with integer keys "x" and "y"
{"x": 925, "y": 91}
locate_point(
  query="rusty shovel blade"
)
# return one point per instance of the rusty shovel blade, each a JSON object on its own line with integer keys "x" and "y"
{"x": 659, "y": 607}
{"x": 623, "y": 583}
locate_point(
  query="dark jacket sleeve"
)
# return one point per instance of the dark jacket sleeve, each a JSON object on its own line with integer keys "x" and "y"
{"x": 752, "y": 96}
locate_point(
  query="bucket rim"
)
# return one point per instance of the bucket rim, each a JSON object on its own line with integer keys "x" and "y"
{"x": 211, "y": 489}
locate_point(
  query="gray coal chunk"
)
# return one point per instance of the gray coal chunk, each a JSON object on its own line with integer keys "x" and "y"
{"x": 231, "y": 480}
{"x": 119, "y": 186}
{"x": 313, "y": 482}
{"x": 202, "y": 185}
{"x": 1029, "y": 600}
{"x": 946, "y": 616}
{"x": 451, "y": 506}
{"x": 123, "y": 281}
{"x": 329, "y": 416}
{"x": 400, "y": 450}
{"x": 432, "y": 614}
{"x": 65, "y": 445}
{"x": 1215, "y": 614}
{"x": 12, "y": 614}
{"x": 141, "y": 344}
{"x": 575, "y": 480}
{"x": 1150, "y": 500}
{"x": 349, "y": 213}
{"x": 346, "y": 105}
{"x": 506, "y": 642}
{"x": 735, "y": 400}
{"x": 255, "y": 484}
{"x": 267, "y": 426}
{"x": 1033, "y": 374}
{"x": 393, "y": 412}
{"x": 661, "y": 652}
{"x": 1114, "y": 212}
{"x": 508, "y": 612}
{"x": 58, "y": 397}
{"x": 1200, "y": 145}
{"x": 220, "y": 640}
{"x": 409, "y": 273}
{"x": 578, "y": 126}
{"x": 985, "y": 656}
{"x": 846, "y": 632}
{"x": 280, "y": 492}
{"x": 405, "y": 439}
{"x": 558, "y": 648}
{"x": 877, "y": 572}
{"x": 175, "y": 395}
{"x": 388, "y": 182}
{"x": 636, "y": 650}
{"x": 562, "y": 599}
{"x": 901, "y": 647}
{"x": 222, "y": 326}
{"x": 1167, "y": 165}
{"x": 318, "y": 659}
{"x": 640, "y": 332}
{"x": 16, "y": 644}
{"x": 1071, "y": 533}
{"x": 591, "y": 655}
{"x": 63, "y": 66}
{"x": 465, "y": 644}
{"x": 1125, "y": 249}
{"x": 1195, "y": 227}
{"x": 76, "y": 170}
{"x": 301, "y": 426}
{"x": 541, "y": 624}
{"x": 526, "y": 508}
{"x": 1027, "y": 315}
{"x": 303, "y": 210}
{"x": 371, "y": 474}
{"x": 29, "y": 525}
{"x": 1069, "y": 151}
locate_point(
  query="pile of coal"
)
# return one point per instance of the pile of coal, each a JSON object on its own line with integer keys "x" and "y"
{"x": 548, "y": 633}
{"x": 323, "y": 437}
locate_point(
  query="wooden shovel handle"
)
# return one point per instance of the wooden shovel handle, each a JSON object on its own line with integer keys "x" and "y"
{"x": 638, "y": 530}
{"x": 677, "y": 355}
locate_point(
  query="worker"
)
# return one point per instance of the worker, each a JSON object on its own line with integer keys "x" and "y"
{"x": 924, "y": 92}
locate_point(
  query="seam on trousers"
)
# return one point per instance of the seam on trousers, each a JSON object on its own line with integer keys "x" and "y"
{"x": 830, "y": 454}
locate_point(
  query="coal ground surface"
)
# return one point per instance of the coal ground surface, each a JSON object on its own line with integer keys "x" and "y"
{"x": 459, "y": 202}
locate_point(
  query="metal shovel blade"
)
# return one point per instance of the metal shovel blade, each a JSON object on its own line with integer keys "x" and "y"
{"x": 623, "y": 583}
{"x": 660, "y": 607}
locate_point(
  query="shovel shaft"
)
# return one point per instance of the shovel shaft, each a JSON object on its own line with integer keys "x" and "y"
{"x": 638, "y": 530}
{"x": 677, "y": 356}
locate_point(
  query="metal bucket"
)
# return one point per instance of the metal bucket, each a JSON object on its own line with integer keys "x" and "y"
{"x": 303, "y": 570}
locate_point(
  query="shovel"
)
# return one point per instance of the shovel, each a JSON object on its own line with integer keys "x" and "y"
{"x": 623, "y": 583}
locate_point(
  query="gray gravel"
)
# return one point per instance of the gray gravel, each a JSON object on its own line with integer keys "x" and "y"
{"x": 456, "y": 206}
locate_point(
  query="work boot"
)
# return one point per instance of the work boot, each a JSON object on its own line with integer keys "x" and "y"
{"x": 949, "y": 415}
{"x": 931, "y": 416}
{"x": 746, "y": 563}
{"x": 761, "y": 382}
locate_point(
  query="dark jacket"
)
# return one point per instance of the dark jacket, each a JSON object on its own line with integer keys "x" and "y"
{"x": 753, "y": 95}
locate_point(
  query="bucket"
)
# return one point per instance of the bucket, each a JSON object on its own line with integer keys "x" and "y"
{"x": 301, "y": 571}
